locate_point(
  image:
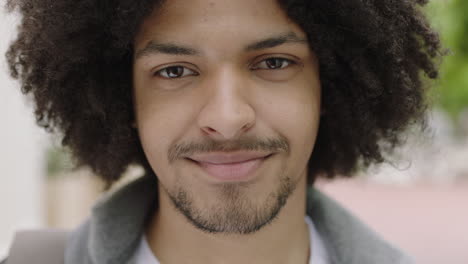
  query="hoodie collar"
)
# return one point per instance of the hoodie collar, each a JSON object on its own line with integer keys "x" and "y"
{"x": 346, "y": 238}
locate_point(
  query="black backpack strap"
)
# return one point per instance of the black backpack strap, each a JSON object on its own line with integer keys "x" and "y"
{"x": 38, "y": 247}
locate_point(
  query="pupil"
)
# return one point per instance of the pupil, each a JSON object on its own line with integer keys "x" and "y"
{"x": 273, "y": 63}
{"x": 174, "y": 71}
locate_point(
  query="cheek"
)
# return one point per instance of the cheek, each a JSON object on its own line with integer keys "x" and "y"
{"x": 159, "y": 128}
{"x": 159, "y": 124}
{"x": 153, "y": 139}
{"x": 296, "y": 114}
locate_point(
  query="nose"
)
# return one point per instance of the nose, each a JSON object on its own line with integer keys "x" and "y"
{"x": 226, "y": 113}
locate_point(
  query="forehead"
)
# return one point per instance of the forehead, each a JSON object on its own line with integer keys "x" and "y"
{"x": 205, "y": 9}
{"x": 222, "y": 22}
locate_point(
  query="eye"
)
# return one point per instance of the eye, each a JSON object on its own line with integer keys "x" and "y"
{"x": 174, "y": 72}
{"x": 274, "y": 64}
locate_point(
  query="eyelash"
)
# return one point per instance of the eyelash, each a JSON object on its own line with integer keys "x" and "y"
{"x": 282, "y": 60}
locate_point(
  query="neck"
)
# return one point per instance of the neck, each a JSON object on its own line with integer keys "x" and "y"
{"x": 285, "y": 240}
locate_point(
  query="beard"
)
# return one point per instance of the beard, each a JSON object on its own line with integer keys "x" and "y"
{"x": 233, "y": 212}
{"x": 232, "y": 208}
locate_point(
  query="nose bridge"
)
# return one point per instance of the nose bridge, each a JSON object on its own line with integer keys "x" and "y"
{"x": 227, "y": 111}
{"x": 227, "y": 88}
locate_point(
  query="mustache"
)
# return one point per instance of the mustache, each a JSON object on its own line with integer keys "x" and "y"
{"x": 185, "y": 149}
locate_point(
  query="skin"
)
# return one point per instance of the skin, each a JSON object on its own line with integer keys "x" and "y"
{"x": 225, "y": 97}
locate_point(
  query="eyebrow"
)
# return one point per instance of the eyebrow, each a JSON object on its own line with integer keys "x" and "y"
{"x": 165, "y": 48}
{"x": 274, "y": 41}
{"x": 175, "y": 49}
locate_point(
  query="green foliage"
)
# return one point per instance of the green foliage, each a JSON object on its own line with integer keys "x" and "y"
{"x": 450, "y": 18}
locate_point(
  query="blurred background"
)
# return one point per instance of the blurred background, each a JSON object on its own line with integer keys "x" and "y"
{"x": 419, "y": 202}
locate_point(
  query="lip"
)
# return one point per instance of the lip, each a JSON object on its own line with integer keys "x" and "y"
{"x": 231, "y": 167}
{"x": 228, "y": 157}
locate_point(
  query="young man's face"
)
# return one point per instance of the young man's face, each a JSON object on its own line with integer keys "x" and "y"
{"x": 227, "y": 102}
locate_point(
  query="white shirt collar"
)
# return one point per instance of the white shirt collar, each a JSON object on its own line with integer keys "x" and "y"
{"x": 319, "y": 254}
{"x": 144, "y": 255}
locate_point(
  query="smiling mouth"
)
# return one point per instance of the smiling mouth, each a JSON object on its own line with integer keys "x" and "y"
{"x": 240, "y": 171}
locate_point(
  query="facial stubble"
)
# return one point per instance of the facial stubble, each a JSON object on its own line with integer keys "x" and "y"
{"x": 234, "y": 212}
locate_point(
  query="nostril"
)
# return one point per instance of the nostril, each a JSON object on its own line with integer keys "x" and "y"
{"x": 190, "y": 160}
{"x": 247, "y": 126}
{"x": 210, "y": 130}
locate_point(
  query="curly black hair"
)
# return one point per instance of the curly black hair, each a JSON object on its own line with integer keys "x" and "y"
{"x": 75, "y": 59}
